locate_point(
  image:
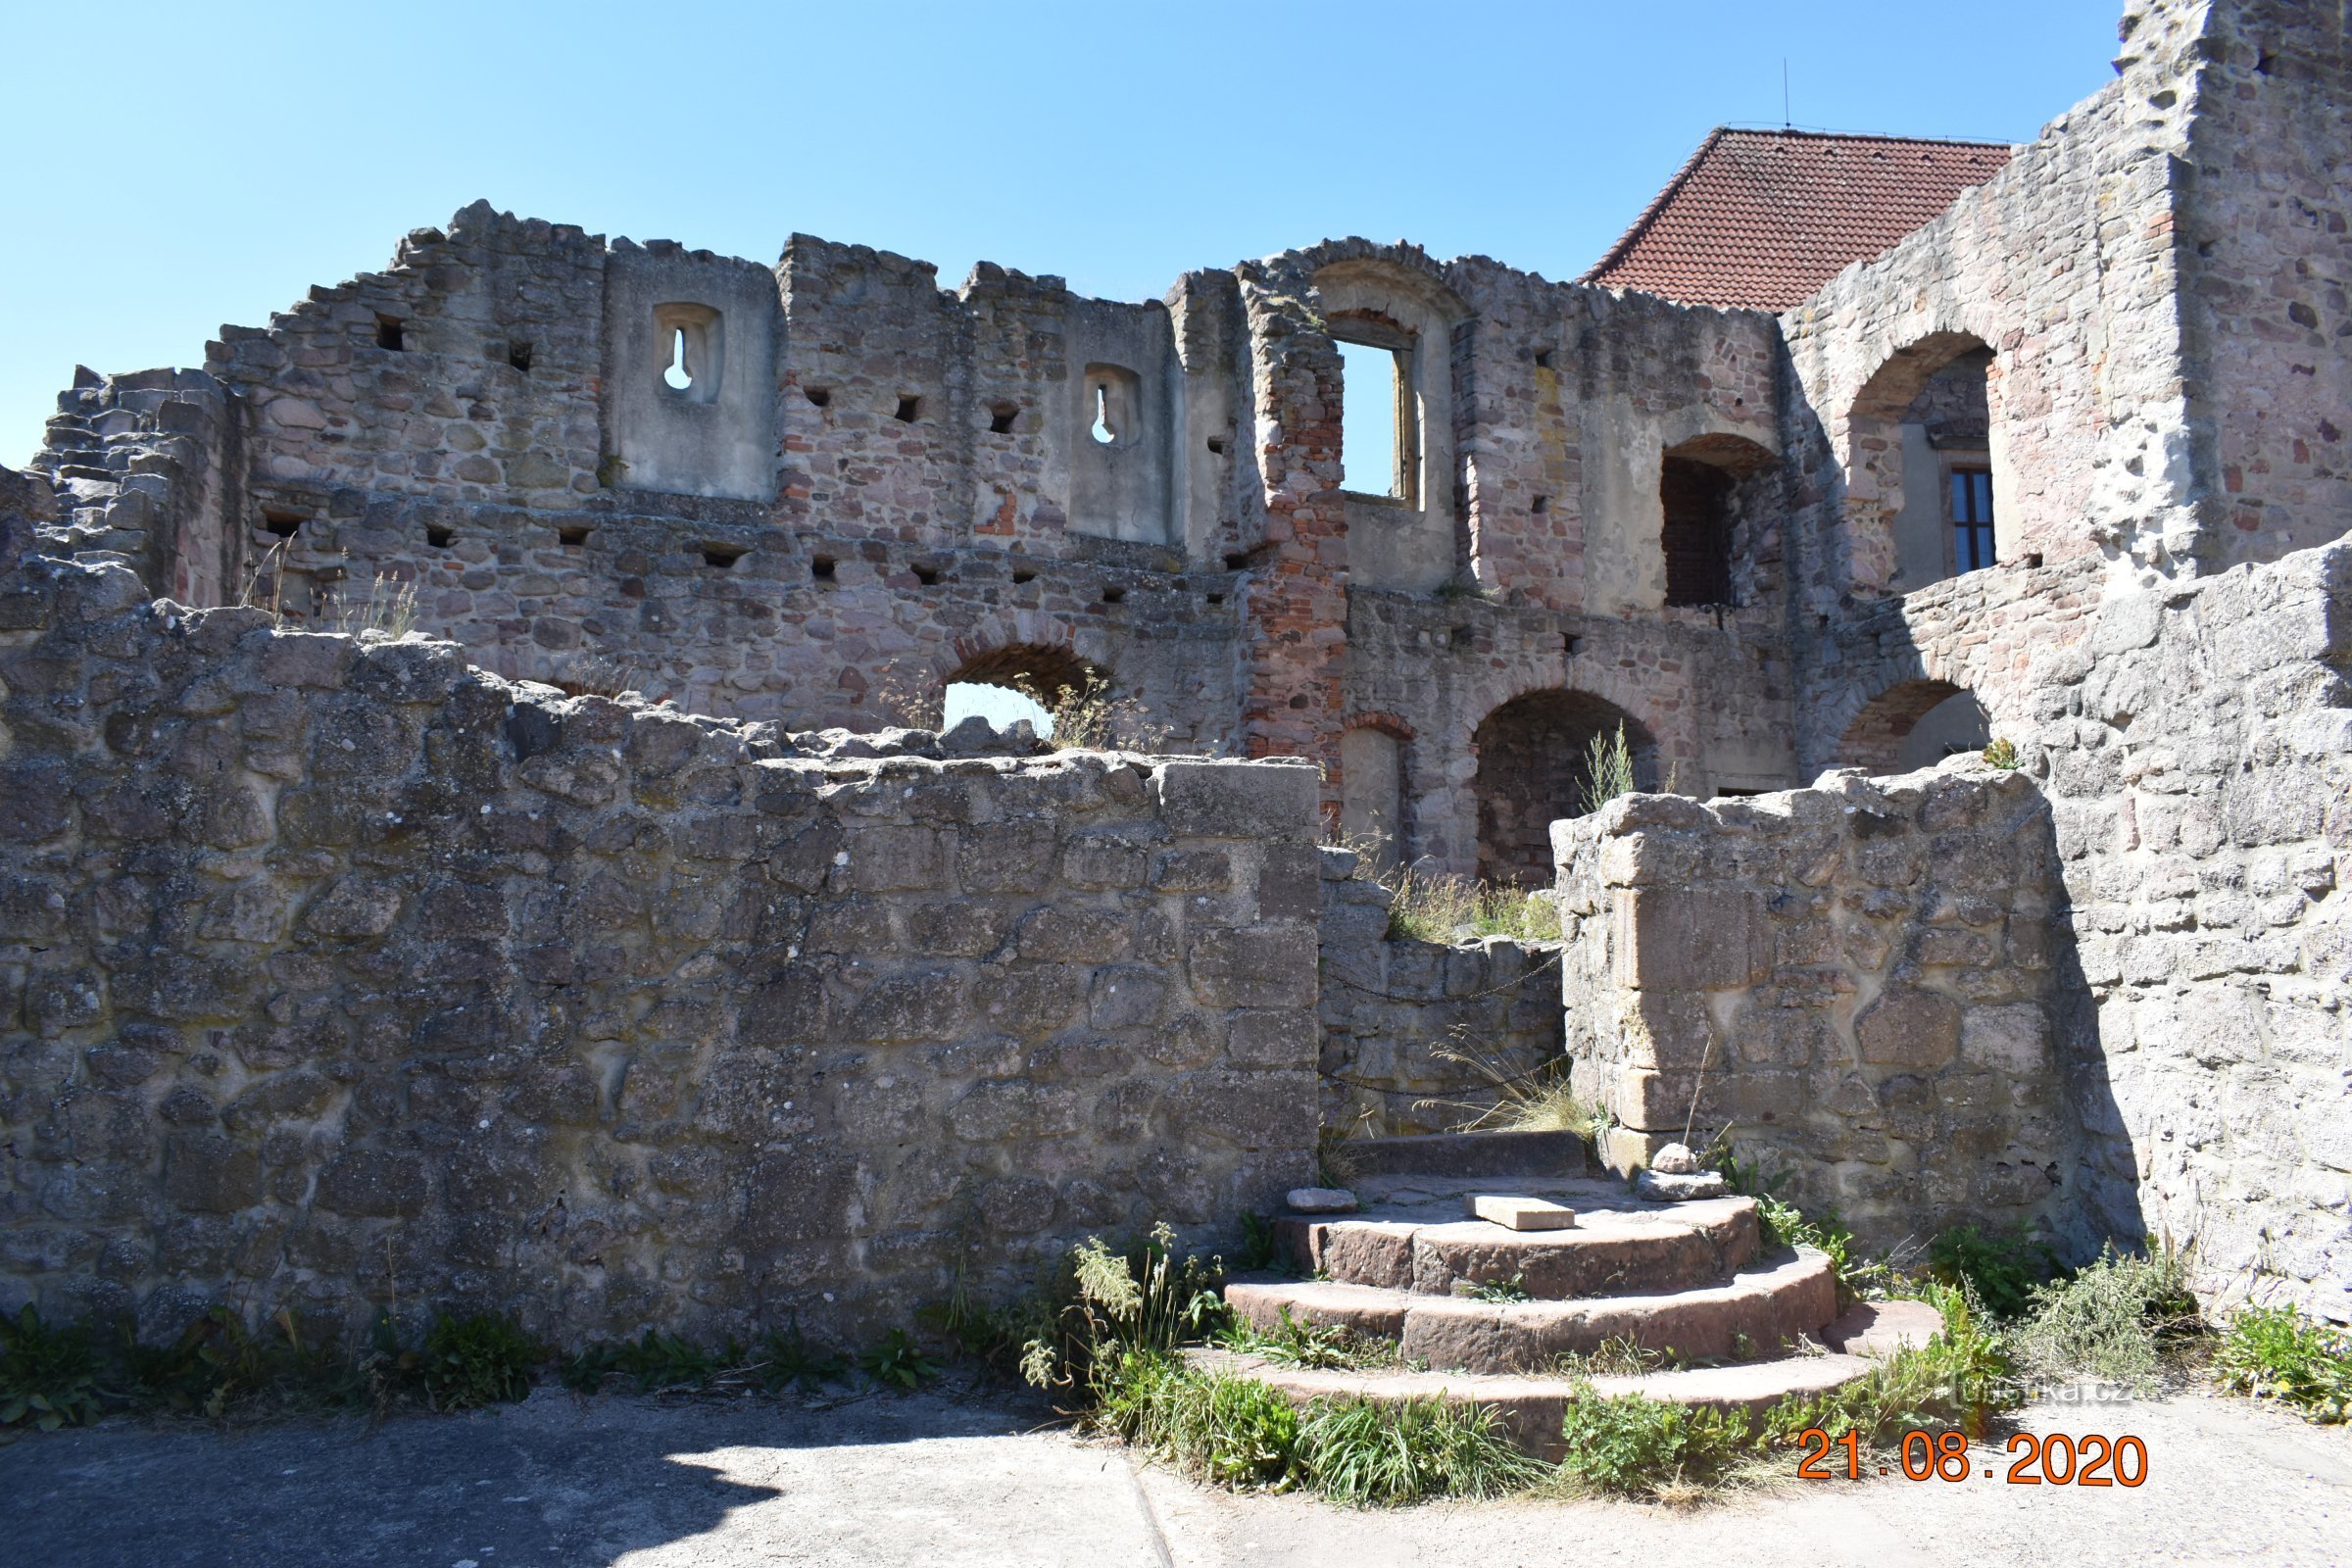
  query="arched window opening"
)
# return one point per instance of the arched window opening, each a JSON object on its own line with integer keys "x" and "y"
{"x": 688, "y": 342}
{"x": 1921, "y": 486}
{"x": 1532, "y": 771}
{"x": 1916, "y": 724}
{"x": 1023, "y": 681}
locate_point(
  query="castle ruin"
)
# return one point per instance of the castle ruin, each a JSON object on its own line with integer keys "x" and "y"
{"x": 333, "y": 964}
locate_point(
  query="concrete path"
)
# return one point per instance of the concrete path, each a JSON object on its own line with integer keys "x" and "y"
{"x": 942, "y": 1479}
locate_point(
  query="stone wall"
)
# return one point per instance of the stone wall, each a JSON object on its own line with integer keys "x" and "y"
{"x": 1853, "y": 981}
{"x": 331, "y": 969}
{"x": 1389, "y": 1005}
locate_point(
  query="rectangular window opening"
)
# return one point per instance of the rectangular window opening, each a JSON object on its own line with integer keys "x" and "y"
{"x": 1001, "y": 416}
{"x": 285, "y": 524}
{"x": 518, "y": 355}
{"x": 390, "y": 333}
{"x": 438, "y": 537}
{"x": 721, "y": 556}
{"x": 1375, "y": 445}
{"x": 1972, "y": 519}
{"x": 572, "y": 537}
{"x": 822, "y": 568}
{"x": 928, "y": 576}
{"x": 908, "y": 410}
{"x": 1539, "y": 506}
{"x": 817, "y": 396}
{"x": 1114, "y": 596}
{"x": 1021, "y": 574}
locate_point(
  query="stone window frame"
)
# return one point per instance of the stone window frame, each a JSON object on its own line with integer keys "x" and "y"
{"x": 1370, "y": 330}
{"x": 702, "y": 330}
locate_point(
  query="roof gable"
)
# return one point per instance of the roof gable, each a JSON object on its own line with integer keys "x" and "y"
{"x": 1761, "y": 219}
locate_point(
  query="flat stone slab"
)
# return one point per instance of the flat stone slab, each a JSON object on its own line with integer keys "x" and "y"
{"x": 1670, "y": 1187}
{"x": 1882, "y": 1328}
{"x": 1519, "y": 1213}
{"x": 1320, "y": 1200}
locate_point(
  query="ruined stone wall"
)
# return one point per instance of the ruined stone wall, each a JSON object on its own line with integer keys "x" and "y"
{"x": 1389, "y": 1005}
{"x": 875, "y": 483}
{"x": 2266, "y": 238}
{"x": 1853, "y": 981}
{"x": 335, "y": 969}
{"x": 2065, "y": 266}
{"x": 2191, "y": 741}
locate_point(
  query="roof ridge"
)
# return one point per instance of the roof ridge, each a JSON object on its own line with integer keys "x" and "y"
{"x": 1857, "y": 135}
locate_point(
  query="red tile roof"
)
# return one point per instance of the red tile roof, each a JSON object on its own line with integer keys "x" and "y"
{"x": 1764, "y": 218}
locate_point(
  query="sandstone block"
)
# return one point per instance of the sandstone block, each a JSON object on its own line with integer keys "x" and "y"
{"x": 1517, "y": 1213}
{"x": 1239, "y": 799}
{"x": 1908, "y": 1027}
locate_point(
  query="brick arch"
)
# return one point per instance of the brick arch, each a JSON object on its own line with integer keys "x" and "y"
{"x": 1874, "y": 736}
{"x": 1380, "y": 719}
{"x": 1531, "y": 772}
{"x": 1872, "y": 450}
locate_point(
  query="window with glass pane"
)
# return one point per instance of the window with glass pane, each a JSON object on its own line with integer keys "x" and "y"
{"x": 1972, "y": 518}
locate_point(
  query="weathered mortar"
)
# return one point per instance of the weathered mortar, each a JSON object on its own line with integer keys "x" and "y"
{"x": 1853, "y": 980}
{"x": 335, "y": 970}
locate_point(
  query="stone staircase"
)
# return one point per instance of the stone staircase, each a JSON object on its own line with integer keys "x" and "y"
{"x": 1732, "y": 1324}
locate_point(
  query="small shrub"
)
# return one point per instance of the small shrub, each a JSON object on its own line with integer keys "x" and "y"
{"x": 1388, "y": 1454}
{"x": 48, "y": 1376}
{"x": 217, "y": 1365}
{"x": 2002, "y": 754}
{"x": 1140, "y": 1300}
{"x": 2002, "y": 1267}
{"x": 1608, "y": 769}
{"x": 478, "y": 1360}
{"x": 897, "y": 1363}
{"x": 1234, "y": 1431}
{"x": 2275, "y": 1353}
{"x": 2110, "y": 1320}
{"x": 1634, "y": 1444}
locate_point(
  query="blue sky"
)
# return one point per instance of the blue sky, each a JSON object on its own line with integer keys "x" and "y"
{"x": 171, "y": 167}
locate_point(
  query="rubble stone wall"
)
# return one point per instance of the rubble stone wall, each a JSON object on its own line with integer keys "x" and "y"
{"x": 331, "y": 968}
{"x": 1852, "y": 980}
{"x": 1391, "y": 1006}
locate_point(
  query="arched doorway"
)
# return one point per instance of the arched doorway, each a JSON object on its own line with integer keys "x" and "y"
{"x": 1916, "y": 724}
{"x": 1534, "y": 768}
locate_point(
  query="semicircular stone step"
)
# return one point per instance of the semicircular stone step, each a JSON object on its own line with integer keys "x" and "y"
{"x": 1530, "y": 1409}
{"x": 1759, "y": 1311}
{"x": 1617, "y": 1245}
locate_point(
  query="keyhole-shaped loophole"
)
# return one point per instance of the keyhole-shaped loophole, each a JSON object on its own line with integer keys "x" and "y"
{"x": 678, "y": 378}
{"x": 1103, "y": 433}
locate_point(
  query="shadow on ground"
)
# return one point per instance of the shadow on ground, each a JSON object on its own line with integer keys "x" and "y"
{"x": 931, "y": 1479}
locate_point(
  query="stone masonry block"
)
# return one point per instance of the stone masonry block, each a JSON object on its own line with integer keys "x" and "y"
{"x": 1240, "y": 800}
{"x": 1908, "y": 1027}
{"x": 1691, "y": 939}
{"x": 1256, "y": 966}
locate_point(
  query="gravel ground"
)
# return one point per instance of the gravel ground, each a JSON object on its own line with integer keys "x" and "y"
{"x": 955, "y": 1478}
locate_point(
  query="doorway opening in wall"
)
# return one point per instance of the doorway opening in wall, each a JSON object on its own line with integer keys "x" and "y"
{"x": 1534, "y": 755}
{"x": 1702, "y": 486}
{"x": 1377, "y": 440}
{"x": 1914, "y": 724}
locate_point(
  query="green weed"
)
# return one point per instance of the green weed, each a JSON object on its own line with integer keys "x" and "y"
{"x": 2275, "y": 1353}
{"x": 897, "y": 1363}
{"x": 1513, "y": 1289}
{"x": 1608, "y": 769}
{"x": 483, "y": 1359}
{"x": 1388, "y": 1454}
{"x": 2003, "y": 1267}
{"x": 1634, "y": 1444}
{"x": 785, "y": 1356}
{"x": 1436, "y": 906}
{"x": 1291, "y": 1342}
{"x": 48, "y": 1376}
